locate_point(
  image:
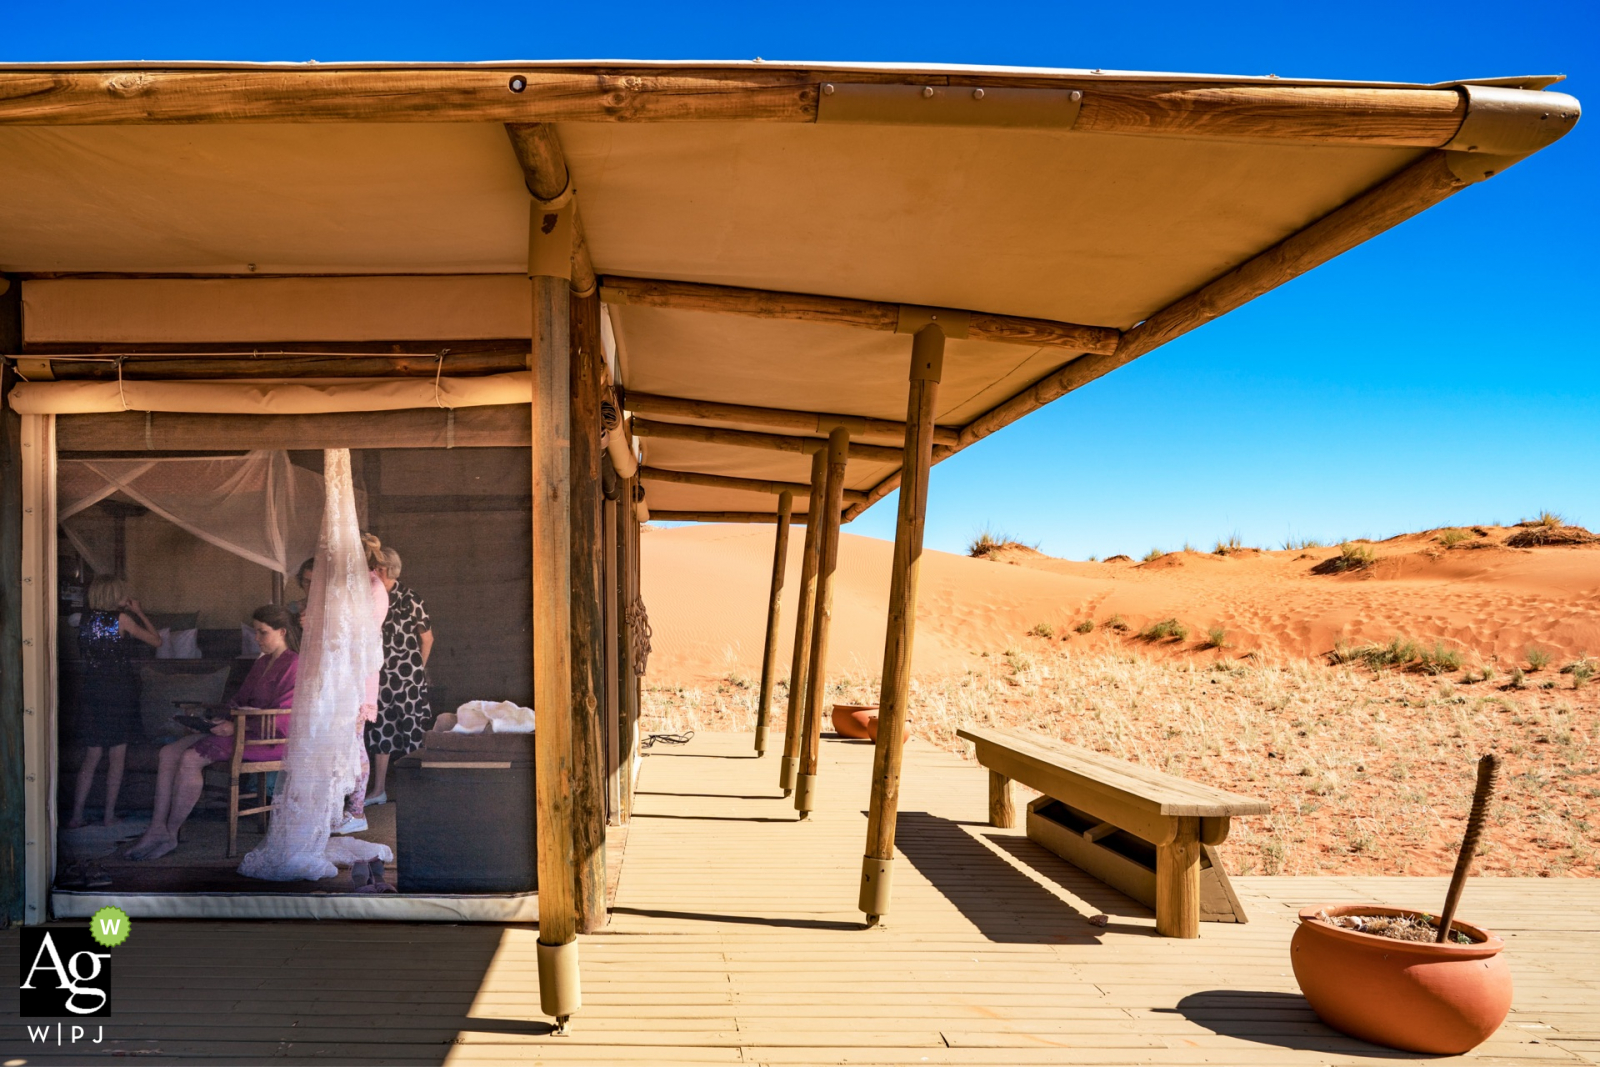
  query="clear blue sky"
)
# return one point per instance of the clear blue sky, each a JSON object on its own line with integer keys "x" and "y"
{"x": 1443, "y": 373}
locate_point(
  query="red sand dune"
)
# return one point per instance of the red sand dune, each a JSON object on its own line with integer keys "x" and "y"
{"x": 706, "y": 590}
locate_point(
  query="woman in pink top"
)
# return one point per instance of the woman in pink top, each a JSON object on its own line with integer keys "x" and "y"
{"x": 270, "y": 684}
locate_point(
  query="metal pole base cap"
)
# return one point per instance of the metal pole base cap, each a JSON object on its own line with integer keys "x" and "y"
{"x": 877, "y": 878}
{"x": 560, "y": 994}
{"x": 805, "y": 793}
{"x": 788, "y": 773}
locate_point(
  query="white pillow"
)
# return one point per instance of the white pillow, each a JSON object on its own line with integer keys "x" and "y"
{"x": 179, "y": 644}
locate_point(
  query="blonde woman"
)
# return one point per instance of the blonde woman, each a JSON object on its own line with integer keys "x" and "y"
{"x": 108, "y": 717}
{"x": 403, "y": 712}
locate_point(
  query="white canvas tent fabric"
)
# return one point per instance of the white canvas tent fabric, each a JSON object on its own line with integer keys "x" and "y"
{"x": 258, "y": 506}
{"x": 342, "y": 646}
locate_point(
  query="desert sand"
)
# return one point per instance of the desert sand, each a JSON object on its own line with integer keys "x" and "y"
{"x": 706, "y": 588}
{"x": 1368, "y": 764}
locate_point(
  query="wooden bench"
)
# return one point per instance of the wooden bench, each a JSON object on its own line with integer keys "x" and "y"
{"x": 1149, "y": 834}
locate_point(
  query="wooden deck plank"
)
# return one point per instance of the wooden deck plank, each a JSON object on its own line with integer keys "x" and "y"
{"x": 987, "y": 956}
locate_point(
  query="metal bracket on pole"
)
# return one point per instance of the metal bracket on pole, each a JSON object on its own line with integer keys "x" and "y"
{"x": 953, "y": 321}
{"x": 559, "y": 992}
{"x": 550, "y": 238}
{"x": 877, "y": 879}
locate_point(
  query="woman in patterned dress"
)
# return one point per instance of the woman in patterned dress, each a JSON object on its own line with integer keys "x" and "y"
{"x": 403, "y": 712}
{"x": 109, "y": 718}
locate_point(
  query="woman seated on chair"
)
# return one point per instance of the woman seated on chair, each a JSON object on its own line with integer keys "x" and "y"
{"x": 270, "y": 684}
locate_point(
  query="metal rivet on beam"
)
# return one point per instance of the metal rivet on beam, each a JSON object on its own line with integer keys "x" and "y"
{"x": 977, "y": 94}
{"x": 518, "y": 83}
{"x": 927, "y": 91}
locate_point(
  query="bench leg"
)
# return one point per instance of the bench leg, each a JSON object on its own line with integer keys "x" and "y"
{"x": 1002, "y": 812}
{"x": 1178, "y": 882}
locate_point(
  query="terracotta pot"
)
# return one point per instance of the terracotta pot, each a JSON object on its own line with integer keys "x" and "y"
{"x": 1417, "y": 996}
{"x": 850, "y": 720}
{"x": 872, "y": 730}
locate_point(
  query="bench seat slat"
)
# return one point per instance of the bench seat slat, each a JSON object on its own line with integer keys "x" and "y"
{"x": 1137, "y": 786}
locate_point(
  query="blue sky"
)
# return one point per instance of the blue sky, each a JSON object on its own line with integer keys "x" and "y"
{"x": 1443, "y": 373}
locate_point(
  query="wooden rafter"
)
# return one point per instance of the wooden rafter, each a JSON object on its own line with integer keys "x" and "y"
{"x": 778, "y": 418}
{"x": 842, "y": 311}
{"x": 772, "y": 442}
{"x": 726, "y": 481}
{"x": 1324, "y": 114}
{"x": 723, "y": 516}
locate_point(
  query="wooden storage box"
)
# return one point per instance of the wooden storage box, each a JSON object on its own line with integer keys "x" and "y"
{"x": 464, "y": 814}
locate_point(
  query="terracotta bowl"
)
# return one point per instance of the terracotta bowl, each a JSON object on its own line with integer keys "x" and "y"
{"x": 1417, "y": 996}
{"x": 850, "y": 720}
{"x": 872, "y": 730}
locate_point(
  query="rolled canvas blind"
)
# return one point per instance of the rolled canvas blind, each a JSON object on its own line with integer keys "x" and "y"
{"x": 267, "y": 397}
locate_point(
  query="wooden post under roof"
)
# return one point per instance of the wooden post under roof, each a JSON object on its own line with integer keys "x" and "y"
{"x": 559, "y": 990}
{"x": 877, "y": 867}
{"x": 612, "y": 710}
{"x": 803, "y": 618}
{"x": 817, "y": 672}
{"x": 13, "y": 773}
{"x": 627, "y": 680}
{"x": 587, "y": 635}
{"x": 769, "y": 647}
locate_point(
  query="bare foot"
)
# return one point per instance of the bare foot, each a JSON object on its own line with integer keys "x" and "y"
{"x": 111, "y": 822}
{"x": 77, "y": 822}
{"x": 146, "y": 845}
{"x": 161, "y": 848}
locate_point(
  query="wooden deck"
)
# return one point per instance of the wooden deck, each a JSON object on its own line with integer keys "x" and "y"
{"x": 734, "y": 939}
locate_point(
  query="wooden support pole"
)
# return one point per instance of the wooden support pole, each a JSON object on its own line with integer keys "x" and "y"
{"x": 555, "y": 773}
{"x": 804, "y": 612}
{"x": 843, "y": 311}
{"x": 724, "y": 481}
{"x": 777, "y": 418}
{"x": 627, "y": 681}
{"x": 821, "y": 626}
{"x": 772, "y": 442}
{"x": 1002, "y": 811}
{"x": 877, "y": 866}
{"x": 769, "y": 648}
{"x": 13, "y": 772}
{"x": 587, "y": 620}
{"x": 612, "y": 711}
{"x": 1178, "y": 882}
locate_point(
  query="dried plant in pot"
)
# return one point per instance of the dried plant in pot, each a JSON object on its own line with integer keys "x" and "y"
{"x": 851, "y": 720}
{"x": 1402, "y": 978}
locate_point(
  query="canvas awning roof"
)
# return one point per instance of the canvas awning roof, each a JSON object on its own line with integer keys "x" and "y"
{"x": 212, "y": 211}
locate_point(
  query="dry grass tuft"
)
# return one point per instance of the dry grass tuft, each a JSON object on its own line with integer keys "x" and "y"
{"x": 1366, "y": 773}
{"x": 1352, "y": 556}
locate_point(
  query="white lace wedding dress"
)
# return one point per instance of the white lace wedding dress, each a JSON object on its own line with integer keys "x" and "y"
{"x": 341, "y": 647}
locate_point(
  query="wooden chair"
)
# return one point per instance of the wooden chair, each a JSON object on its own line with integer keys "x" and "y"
{"x": 239, "y": 767}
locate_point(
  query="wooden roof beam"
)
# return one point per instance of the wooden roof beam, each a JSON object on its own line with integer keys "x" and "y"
{"x": 1178, "y": 107}
{"x": 842, "y": 311}
{"x": 544, "y": 170}
{"x": 778, "y": 418}
{"x": 772, "y": 442}
{"x": 725, "y": 516}
{"x": 749, "y": 485}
